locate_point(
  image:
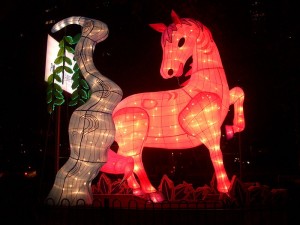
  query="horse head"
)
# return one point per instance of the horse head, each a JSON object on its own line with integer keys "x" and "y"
{"x": 177, "y": 41}
{"x": 181, "y": 40}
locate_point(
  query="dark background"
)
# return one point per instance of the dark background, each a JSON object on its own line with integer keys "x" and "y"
{"x": 259, "y": 46}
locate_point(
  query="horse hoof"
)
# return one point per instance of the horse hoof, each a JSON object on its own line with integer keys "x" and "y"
{"x": 156, "y": 197}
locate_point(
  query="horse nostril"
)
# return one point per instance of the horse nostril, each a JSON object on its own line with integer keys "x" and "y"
{"x": 170, "y": 72}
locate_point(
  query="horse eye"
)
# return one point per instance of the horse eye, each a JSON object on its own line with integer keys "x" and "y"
{"x": 181, "y": 42}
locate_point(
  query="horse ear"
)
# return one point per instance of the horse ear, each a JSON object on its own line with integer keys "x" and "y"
{"x": 175, "y": 17}
{"x": 160, "y": 27}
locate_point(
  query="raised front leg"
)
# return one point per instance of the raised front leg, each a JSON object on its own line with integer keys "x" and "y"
{"x": 237, "y": 99}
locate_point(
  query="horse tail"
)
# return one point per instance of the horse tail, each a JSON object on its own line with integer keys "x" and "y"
{"x": 237, "y": 99}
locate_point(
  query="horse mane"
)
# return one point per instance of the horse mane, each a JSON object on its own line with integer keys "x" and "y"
{"x": 167, "y": 35}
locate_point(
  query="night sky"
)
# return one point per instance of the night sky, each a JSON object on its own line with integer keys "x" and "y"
{"x": 263, "y": 59}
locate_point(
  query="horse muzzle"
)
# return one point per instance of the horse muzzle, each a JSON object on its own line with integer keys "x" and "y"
{"x": 167, "y": 73}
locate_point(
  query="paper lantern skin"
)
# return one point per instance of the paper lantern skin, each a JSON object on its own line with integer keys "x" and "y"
{"x": 91, "y": 127}
{"x": 181, "y": 118}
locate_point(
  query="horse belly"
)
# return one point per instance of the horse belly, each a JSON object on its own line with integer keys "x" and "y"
{"x": 173, "y": 142}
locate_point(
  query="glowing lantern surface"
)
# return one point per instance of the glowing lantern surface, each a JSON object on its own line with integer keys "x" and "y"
{"x": 181, "y": 118}
{"x": 91, "y": 127}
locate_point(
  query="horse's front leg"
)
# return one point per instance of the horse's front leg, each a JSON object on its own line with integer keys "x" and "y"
{"x": 202, "y": 118}
{"x": 132, "y": 131}
{"x": 145, "y": 183}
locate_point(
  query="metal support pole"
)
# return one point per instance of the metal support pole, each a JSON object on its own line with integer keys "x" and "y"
{"x": 57, "y": 139}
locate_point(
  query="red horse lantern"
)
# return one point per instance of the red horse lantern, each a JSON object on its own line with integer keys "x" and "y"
{"x": 181, "y": 118}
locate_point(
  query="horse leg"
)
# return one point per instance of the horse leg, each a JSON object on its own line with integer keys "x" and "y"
{"x": 201, "y": 119}
{"x": 146, "y": 185}
{"x": 237, "y": 99}
{"x": 131, "y": 132}
{"x": 216, "y": 156}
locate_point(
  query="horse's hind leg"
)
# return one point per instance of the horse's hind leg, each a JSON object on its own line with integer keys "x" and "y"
{"x": 237, "y": 99}
{"x": 218, "y": 164}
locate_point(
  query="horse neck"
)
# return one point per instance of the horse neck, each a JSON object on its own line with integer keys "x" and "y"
{"x": 207, "y": 59}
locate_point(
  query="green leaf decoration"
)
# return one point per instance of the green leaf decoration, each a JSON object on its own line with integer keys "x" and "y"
{"x": 55, "y": 94}
{"x": 57, "y": 77}
{"x": 61, "y": 52}
{"x": 58, "y": 60}
{"x": 70, "y": 50}
{"x": 75, "y": 84}
{"x": 75, "y": 76}
{"x": 75, "y": 67}
{"x": 83, "y": 94}
{"x": 75, "y": 94}
{"x": 89, "y": 93}
{"x": 76, "y": 38}
{"x": 61, "y": 44}
{"x": 84, "y": 84}
{"x": 73, "y": 102}
{"x": 68, "y": 39}
{"x": 68, "y": 69}
{"x": 49, "y": 89}
{"x": 49, "y": 97}
{"x": 59, "y": 69}
{"x": 68, "y": 60}
{"x": 81, "y": 102}
{"x": 50, "y": 79}
{"x": 57, "y": 87}
{"x": 59, "y": 101}
{"x": 58, "y": 94}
